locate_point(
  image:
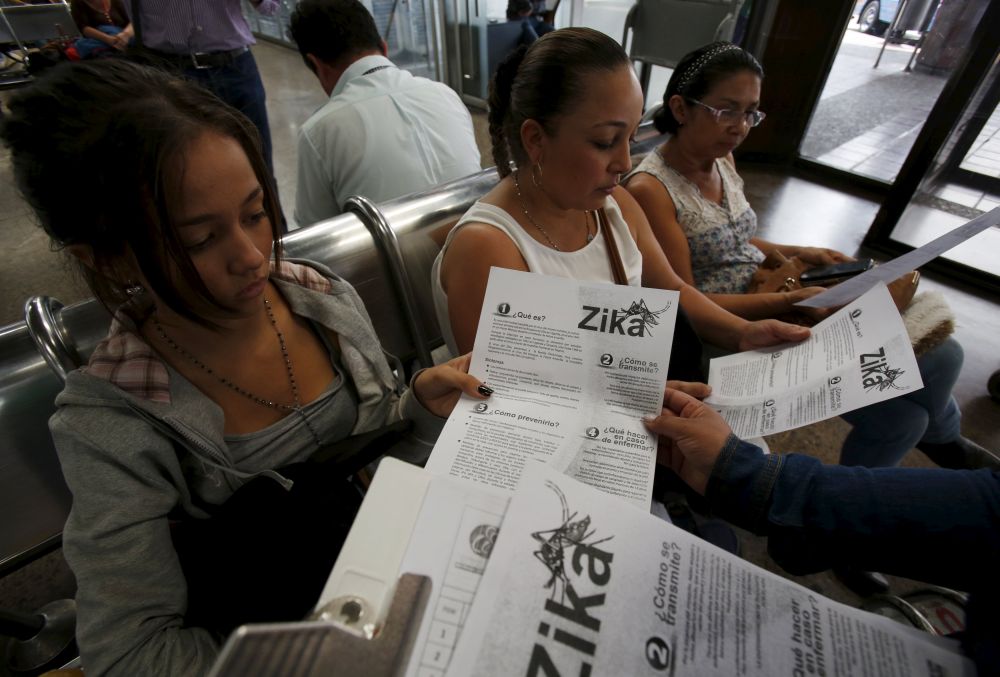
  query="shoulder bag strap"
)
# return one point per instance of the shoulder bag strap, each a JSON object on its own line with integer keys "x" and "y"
{"x": 617, "y": 267}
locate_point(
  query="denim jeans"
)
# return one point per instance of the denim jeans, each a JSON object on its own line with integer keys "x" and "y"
{"x": 238, "y": 84}
{"x": 884, "y": 432}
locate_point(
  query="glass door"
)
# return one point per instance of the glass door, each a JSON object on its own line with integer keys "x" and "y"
{"x": 894, "y": 60}
{"x": 952, "y": 173}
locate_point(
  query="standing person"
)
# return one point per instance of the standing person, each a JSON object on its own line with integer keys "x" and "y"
{"x": 564, "y": 110}
{"x": 690, "y": 191}
{"x": 226, "y": 369}
{"x": 384, "y": 133}
{"x": 207, "y": 41}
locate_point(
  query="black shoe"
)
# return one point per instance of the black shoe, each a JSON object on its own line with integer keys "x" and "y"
{"x": 862, "y": 583}
{"x": 960, "y": 454}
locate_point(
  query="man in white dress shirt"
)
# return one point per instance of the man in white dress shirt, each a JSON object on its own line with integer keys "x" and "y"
{"x": 384, "y": 132}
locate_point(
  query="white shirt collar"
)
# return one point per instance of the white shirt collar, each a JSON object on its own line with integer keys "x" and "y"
{"x": 359, "y": 68}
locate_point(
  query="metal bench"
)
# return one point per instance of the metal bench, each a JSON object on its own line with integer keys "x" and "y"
{"x": 385, "y": 252}
{"x": 36, "y": 354}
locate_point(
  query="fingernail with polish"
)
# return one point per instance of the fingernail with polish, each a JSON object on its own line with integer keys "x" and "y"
{"x": 485, "y": 390}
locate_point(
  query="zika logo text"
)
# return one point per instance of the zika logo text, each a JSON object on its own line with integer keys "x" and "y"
{"x": 876, "y": 374}
{"x": 636, "y": 320}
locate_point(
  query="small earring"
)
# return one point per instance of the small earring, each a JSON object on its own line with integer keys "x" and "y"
{"x": 133, "y": 289}
{"x": 537, "y": 181}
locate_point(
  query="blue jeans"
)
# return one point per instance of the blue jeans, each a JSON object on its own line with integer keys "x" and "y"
{"x": 87, "y": 48}
{"x": 238, "y": 84}
{"x": 884, "y": 432}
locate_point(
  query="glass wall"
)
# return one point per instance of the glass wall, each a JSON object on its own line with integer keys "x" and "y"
{"x": 893, "y": 62}
{"x": 407, "y": 26}
{"x": 961, "y": 183}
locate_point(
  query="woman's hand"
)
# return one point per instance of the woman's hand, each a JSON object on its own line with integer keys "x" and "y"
{"x": 821, "y": 256}
{"x": 438, "y": 388}
{"x": 764, "y": 333}
{"x": 796, "y": 295}
{"x": 697, "y": 390}
{"x": 692, "y": 435}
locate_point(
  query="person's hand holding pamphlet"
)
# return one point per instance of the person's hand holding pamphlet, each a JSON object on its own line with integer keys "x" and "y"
{"x": 858, "y": 356}
{"x": 574, "y": 366}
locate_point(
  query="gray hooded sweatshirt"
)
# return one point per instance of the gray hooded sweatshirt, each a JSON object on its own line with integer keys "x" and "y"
{"x": 137, "y": 442}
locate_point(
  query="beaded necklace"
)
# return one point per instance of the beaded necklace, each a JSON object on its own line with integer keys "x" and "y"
{"x": 264, "y": 402}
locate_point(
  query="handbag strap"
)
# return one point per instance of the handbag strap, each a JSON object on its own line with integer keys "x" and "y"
{"x": 615, "y": 258}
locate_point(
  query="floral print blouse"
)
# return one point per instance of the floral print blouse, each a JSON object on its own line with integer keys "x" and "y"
{"x": 722, "y": 258}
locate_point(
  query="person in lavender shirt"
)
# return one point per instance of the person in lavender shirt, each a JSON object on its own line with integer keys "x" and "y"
{"x": 207, "y": 41}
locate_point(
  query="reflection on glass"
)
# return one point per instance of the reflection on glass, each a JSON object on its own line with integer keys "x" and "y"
{"x": 868, "y": 117}
{"x": 962, "y": 183}
{"x": 403, "y": 25}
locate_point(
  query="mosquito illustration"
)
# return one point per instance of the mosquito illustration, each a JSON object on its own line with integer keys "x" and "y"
{"x": 553, "y": 542}
{"x": 650, "y": 318}
{"x": 888, "y": 380}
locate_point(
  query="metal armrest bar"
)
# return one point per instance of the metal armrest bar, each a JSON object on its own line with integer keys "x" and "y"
{"x": 382, "y": 233}
{"x": 41, "y": 315}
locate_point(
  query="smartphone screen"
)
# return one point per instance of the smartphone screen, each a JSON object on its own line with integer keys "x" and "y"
{"x": 835, "y": 272}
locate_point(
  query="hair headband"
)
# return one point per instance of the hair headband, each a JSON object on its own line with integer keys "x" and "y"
{"x": 703, "y": 61}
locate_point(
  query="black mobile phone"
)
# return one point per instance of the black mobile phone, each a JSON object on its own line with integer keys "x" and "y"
{"x": 835, "y": 273}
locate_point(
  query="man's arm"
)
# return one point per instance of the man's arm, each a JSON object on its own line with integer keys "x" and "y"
{"x": 936, "y": 525}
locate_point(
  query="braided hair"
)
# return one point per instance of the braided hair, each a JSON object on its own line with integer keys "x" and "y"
{"x": 543, "y": 81}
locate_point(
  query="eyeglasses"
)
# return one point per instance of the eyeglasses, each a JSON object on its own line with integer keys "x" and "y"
{"x": 728, "y": 116}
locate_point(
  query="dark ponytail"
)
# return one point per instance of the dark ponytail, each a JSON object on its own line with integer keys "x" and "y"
{"x": 698, "y": 71}
{"x": 543, "y": 81}
{"x": 499, "y": 102}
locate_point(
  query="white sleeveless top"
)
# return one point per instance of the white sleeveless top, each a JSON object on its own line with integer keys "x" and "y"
{"x": 589, "y": 263}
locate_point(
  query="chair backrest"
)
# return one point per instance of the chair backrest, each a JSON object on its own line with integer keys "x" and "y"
{"x": 34, "y": 23}
{"x": 418, "y": 225}
{"x": 34, "y": 499}
{"x": 663, "y": 31}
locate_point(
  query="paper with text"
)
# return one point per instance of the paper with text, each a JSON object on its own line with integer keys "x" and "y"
{"x": 858, "y": 356}
{"x": 887, "y": 272}
{"x": 451, "y": 543}
{"x": 577, "y": 584}
{"x": 575, "y": 366}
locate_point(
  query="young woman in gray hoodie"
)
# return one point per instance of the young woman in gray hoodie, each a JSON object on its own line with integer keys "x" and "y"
{"x": 224, "y": 362}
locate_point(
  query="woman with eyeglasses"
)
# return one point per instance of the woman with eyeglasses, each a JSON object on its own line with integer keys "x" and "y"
{"x": 691, "y": 192}
{"x": 562, "y": 113}
{"x": 693, "y": 198}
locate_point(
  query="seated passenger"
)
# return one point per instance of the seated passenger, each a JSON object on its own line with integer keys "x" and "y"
{"x": 225, "y": 363}
{"x": 693, "y": 198}
{"x": 939, "y": 526}
{"x": 564, "y": 110}
{"x": 102, "y": 24}
{"x": 532, "y": 27}
{"x": 384, "y": 133}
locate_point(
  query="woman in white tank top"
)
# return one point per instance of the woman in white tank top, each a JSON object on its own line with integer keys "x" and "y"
{"x": 564, "y": 111}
